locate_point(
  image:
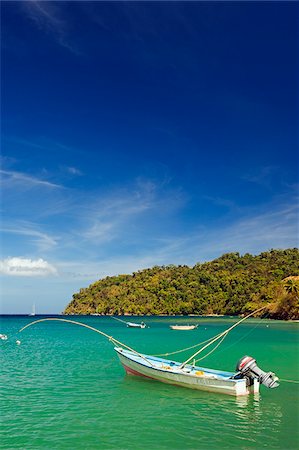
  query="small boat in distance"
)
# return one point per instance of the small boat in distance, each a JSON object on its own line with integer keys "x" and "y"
{"x": 3, "y": 337}
{"x": 33, "y": 311}
{"x": 136, "y": 325}
{"x": 183, "y": 327}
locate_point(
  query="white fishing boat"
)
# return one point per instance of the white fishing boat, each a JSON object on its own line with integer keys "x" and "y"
{"x": 3, "y": 337}
{"x": 247, "y": 380}
{"x": 183, "y": 327}
{"x": 136, "y": 325}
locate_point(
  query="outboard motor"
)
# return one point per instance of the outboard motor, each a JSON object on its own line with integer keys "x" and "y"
{"x": 248, "y": 368}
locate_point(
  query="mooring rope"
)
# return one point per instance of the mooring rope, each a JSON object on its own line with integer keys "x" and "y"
{"x": 220, "y": 335}
{"x": 289, "y": 381}
{"x": 115, "y": 341}
{"x": 119, "y": 320}
{"x": 208, "y": 340}
{"x": 110, "y": 338}
{"x": 187, "y": 348}
{"x": 215, "y": 348}
{"x": 241, "y": 338}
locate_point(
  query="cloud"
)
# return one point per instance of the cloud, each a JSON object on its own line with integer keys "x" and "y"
{"x": 266, "y": 176}
{"x": 13, "y": 178}
{"x": 25, "y": 267}
{"x": 42, "y": 240}
{"x": 276, "y": 226}
{"x": 47, "y": 17}
{"x": 73, "y": 171}
{"x": 109, "y": 214}
{"x": 114, "y": 214}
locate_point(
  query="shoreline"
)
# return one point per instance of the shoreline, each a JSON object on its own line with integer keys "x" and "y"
{"x": 148, "y": 316}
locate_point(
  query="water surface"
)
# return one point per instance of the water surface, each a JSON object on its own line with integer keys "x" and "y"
{"x": 64, "y": 388}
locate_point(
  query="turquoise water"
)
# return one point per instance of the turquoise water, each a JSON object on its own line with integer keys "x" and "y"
{"x": 64, "y": 388}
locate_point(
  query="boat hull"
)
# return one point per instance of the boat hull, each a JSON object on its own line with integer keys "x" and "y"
{"x": 183, "y": 327}
{"x": 205, "y": 380}
{"x": 135, "y": 325}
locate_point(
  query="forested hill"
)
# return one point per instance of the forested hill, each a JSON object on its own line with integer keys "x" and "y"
{"x": 231, "y": 284}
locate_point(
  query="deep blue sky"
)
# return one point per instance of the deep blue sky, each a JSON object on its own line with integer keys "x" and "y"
{"x": 140, "y": 133}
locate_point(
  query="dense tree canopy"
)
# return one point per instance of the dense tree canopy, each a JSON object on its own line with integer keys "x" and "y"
{"x": 231, "y": 284}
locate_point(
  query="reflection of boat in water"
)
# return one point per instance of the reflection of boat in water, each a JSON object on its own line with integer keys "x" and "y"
{"x": 183, "y": 327}
{"x": 136, "y": 325}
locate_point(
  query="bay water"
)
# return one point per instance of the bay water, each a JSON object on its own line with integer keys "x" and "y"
{"x": 63, "y": 387}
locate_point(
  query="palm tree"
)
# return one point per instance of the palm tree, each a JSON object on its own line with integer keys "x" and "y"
{"x": 291, "y": 287}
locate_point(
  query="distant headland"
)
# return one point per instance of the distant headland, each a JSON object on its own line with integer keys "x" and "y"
{"x": 229, "y": 285}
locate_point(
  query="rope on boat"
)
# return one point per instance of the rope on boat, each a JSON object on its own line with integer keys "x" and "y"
{"x": 204, "y": 342}
{"x": 115, "y": 341}
{"x": 110, "y": 338}
{"x": 216, "y": 346}
{"x": 187, "y": 348}
{"x": 289, "y": 381}
{"x": 219, "y": 336}
{"x": 245, "y": 335}
{"x": 119, "y": 320}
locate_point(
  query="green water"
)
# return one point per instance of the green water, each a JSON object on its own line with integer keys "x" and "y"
{"x": 64, "y": 388}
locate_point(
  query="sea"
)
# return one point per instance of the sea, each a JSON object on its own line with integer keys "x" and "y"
{"x": 63, "y": 387}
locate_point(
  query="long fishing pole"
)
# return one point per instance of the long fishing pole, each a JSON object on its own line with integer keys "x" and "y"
{"x": 219, "y": 336}
{"x": 216, "y": 338}
{"x": 111, "y": 338}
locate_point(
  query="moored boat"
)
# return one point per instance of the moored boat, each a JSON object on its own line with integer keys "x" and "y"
{"x": 136, "y": 325}
{"x": 183, "y": 327}
{"x": 247, "y": 380}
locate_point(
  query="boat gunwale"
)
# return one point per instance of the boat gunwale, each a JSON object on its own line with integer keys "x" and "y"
{"x": 215, "y": 372}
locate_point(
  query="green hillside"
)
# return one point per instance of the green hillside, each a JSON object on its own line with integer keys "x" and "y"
{"x": 231, "y": 284}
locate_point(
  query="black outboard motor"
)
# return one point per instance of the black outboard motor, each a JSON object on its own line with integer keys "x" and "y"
{"x": 248, "y": 368}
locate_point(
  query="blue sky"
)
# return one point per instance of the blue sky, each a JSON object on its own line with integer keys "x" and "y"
{"x": 137, "y": 134}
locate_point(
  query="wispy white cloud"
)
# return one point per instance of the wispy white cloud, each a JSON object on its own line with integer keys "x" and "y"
{"x": 219, "y": 201}
{"x": 112, "y": 214}
{"x": 273, "y": 226}
{"x": 82, "y": 221}
{"x": 14, "y": 178}
{"x": 264, "y": 176}
{"x": 47, "y": 16}
{"x": 120, "y": 230}
{"x": 40, "y": 143}
{"x": 41, "y": 240}
{"x": 25, "y": 267}
{"x": 73, "y": 171}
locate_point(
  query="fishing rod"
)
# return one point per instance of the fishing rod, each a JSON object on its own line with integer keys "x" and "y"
{"x": 110, "y": 338}
{"x": 250, "y": 363}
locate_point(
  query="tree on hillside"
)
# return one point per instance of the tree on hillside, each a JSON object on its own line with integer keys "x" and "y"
{"x": 231, "y": 284}
{"x": 292, "y": 287}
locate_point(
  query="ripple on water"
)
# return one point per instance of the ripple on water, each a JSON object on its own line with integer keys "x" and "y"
{"x": 64, "y": 388}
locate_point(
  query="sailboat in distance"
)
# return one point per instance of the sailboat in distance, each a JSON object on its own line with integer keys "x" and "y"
{"x": 33, "y": 311}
